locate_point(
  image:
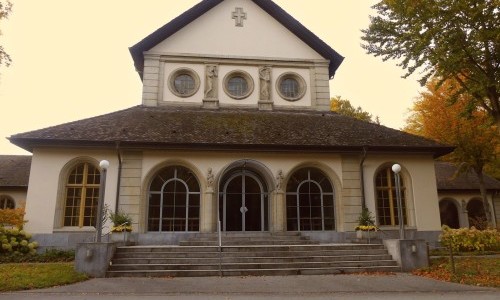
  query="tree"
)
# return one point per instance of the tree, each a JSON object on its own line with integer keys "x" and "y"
{"x": 474, "y": 136}
{"x": 344, "y": 107}
{"x": 449, "y": 39}
{"x": 5, "y": 10}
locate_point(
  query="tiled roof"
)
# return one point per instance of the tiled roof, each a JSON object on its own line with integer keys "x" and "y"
{"x": 14, "y": 170}
{"x": 448, "y": 179}
{"x": 267, "y": 5}
{"x": 228, "y": 129}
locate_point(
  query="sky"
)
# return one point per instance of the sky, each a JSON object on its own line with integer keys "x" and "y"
{"x": 71, "y": 59}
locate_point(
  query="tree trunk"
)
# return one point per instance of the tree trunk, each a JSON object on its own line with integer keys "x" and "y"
{"x": 482, "y": 189}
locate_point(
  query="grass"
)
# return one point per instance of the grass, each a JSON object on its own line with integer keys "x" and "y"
{"x": 25, "y": 276}
{"x": 478, "y": 271}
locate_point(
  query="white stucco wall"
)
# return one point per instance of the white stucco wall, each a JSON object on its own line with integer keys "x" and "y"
{"x": 45, "y": 190}
{"x": 215, "y": 33}
{"x": 420, "y": 180}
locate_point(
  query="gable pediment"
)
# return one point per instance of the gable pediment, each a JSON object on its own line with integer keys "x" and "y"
{"x": 211, "y": 28}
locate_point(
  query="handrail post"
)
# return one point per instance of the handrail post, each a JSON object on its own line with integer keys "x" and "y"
{"x": 220, "y": 247}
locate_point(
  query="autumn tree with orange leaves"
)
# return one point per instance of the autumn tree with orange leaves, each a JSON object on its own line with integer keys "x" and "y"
{"x": 474, "y": 135}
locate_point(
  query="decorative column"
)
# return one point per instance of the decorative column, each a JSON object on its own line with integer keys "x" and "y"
{"x": 207, "y": 217}
{"x": 278, "y": 205}
{"x": 464, "y": 220}
{"x": 211, "y": 96}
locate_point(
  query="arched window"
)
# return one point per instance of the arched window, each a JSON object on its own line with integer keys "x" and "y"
{"x": 387, "y": 204}
{"x": 6, "y": 202}
{"x": 309, "y": 201}
{"x": 82, "y": 195}
{"x": 174, "y": 201}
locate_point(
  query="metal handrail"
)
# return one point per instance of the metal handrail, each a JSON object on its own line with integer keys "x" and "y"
{"x": 220, "y": 247}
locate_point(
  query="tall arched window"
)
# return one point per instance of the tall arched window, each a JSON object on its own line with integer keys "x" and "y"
{"x": 387, "y": 204}
{"x": 6, "y": 202}
{"x": 309, "y": 201}
{"x": 82, "y": 195}
{"x": 174, "y": 201}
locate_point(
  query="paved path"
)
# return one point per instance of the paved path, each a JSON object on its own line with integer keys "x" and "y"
{"x": 399, "y": 286}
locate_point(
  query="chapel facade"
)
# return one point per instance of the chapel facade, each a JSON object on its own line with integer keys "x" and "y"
{"x": 234, "y": 126}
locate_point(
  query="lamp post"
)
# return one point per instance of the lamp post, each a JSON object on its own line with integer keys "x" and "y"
{"x": 104, "y": 164}
{"x": 396, "y": 168}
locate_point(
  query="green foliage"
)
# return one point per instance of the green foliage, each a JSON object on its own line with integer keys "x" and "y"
{"x": 121, "y": 221}
{"x": 366, "y": 222}
{"x": 16, "y": 241}
{"x": 344, "y": 107}
{"x": 12, "y": 217}
{"x": 5, "y": 10}
{"x": 449, "y": 39}
{"x": 49, "y": 256}
{"x": 465, "y": 239}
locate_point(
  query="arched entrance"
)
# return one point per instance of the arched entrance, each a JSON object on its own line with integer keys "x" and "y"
{"x": 243, "y": 202}
{"x": 477, "y": 217}
{"x": 449, "y": 213}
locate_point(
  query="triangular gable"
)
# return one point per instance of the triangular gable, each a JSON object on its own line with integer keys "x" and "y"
{"x": 267, "y": 5}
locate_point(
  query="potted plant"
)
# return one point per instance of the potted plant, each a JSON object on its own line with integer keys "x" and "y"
{"x": 122, "y": 226}
{"x": 366, "y": 225}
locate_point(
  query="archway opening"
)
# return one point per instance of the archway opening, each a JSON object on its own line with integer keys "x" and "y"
{"x": 477, "y": 217}
{"x": 243, "y": 201}
{"x": 449, "y": 214}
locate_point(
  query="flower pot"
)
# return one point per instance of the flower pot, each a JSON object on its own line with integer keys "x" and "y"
{"x": 364, "y": 234}
{"x": 121, "y": 237}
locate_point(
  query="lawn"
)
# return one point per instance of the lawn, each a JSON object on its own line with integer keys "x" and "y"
{"x": 25, "y": 276}
{"x": 478, "y": 271}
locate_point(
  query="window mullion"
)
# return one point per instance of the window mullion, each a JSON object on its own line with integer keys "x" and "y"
{"x": 391, "y": 197}
{"x": 83, "y": 195}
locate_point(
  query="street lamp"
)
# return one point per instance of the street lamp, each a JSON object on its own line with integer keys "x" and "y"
{"x": 104, "y": 165}
{"x": 396, "y": 168}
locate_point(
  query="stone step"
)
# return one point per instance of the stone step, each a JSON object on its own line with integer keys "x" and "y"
{"x": 257, "y": 253}
{"x": 254, "y": 272}
{"x": 251, "y": 248}
{"x": 265, "y": 259}
{"x": 254, "y": 242}
{"x": 252, "y": 265}
{"x": 215, "y": 254}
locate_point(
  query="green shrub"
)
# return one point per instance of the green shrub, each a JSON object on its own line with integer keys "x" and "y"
{"x": 121, "y": 222}
{"x": 49, "y": 256}
{"x": 16, "y": 241}
{"x": 465, "y": 239}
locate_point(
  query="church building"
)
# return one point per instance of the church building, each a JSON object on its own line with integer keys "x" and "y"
{"x": 234, "y": 126}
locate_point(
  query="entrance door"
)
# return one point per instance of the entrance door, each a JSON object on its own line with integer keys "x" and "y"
{"x": 243, "y": 203}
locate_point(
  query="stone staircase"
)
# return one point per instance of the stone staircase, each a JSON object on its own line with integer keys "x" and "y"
{"x": 249, "y": 254}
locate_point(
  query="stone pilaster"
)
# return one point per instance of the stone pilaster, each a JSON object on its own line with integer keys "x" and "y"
{"x": 351, "y": 191}
{"x": 130, "y": 187}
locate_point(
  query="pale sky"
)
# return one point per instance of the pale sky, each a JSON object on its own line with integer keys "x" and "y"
{"x": 71, "y": 59}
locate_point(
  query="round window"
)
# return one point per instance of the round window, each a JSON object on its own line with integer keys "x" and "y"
{"x": 291, "y": 86}
{"x": 238, "y": 84}
{"x": 184, "y": 82}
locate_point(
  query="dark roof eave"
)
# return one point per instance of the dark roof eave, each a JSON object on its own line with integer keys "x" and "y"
{"x": 30, "y": 144}
{"x": 164, "y": 32}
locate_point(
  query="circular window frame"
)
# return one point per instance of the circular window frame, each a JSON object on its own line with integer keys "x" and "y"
{"x": 179, "y": 72}
{"x": 300, "y": 80}
{"x": 244, "y": 75}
